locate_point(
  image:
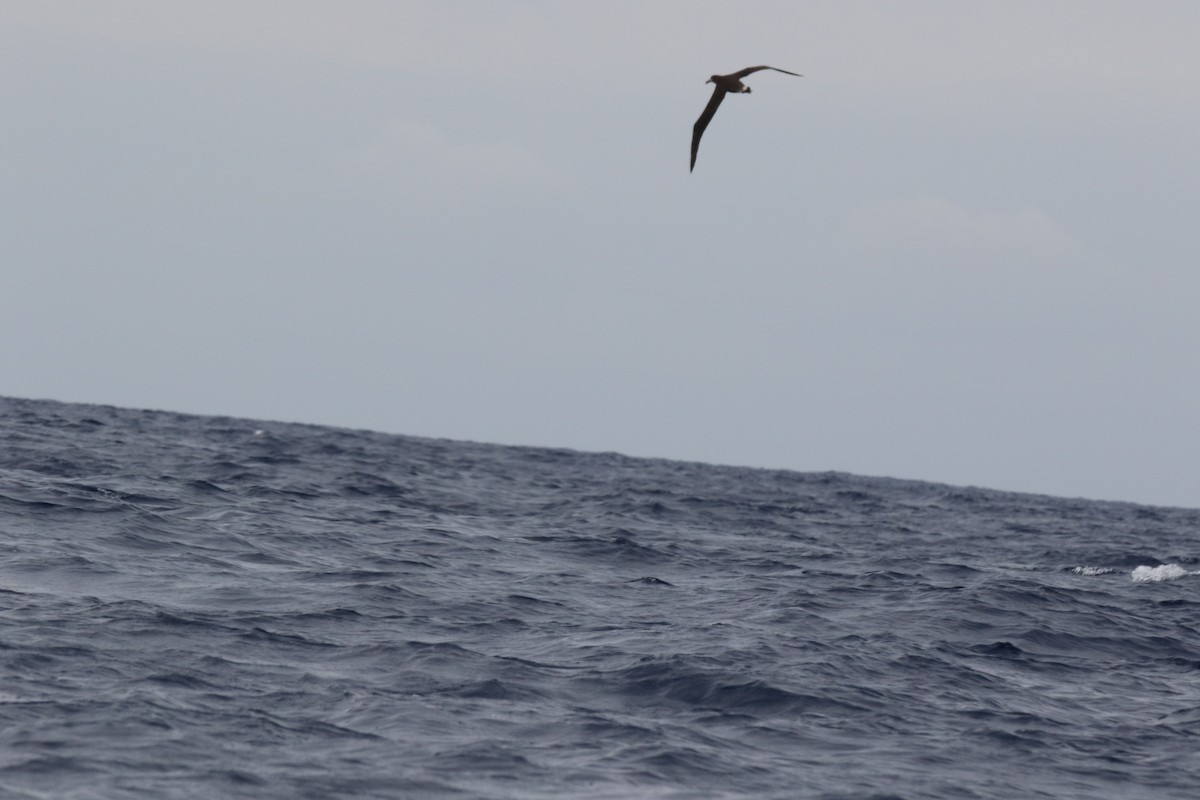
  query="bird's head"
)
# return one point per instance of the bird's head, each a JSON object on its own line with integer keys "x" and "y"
{"x": 713, "y": 79}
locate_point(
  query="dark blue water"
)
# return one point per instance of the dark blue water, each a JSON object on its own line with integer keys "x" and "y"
{"x": 198, "y": 607}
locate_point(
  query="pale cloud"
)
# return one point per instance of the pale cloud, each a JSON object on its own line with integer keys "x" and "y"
{"x": 1099, "y": 48}
{"x": 427, "y": 38}
{"x": 434, "y": 160}
{"x": 476, "y": 216}
{"x": 953, "y": 233}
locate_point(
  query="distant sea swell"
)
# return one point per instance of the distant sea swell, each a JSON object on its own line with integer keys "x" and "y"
{"x": 211, "y": 607}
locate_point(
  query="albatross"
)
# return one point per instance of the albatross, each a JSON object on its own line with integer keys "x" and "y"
{"x": 724, "y": 84}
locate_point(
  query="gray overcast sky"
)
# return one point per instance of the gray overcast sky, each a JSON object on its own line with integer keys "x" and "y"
{"x": 965, "y": 247}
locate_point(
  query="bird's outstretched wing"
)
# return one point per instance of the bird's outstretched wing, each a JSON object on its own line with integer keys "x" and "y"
{"x": 749, "y": 70}
{"x": 698, "y": 129}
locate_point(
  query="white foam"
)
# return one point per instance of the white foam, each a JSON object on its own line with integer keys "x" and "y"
{"x": 1093, "y": 570}
{"x": 1164, "y": 572}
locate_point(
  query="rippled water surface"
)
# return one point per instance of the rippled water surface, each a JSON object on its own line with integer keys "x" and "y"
{"x": 207, "y": 607}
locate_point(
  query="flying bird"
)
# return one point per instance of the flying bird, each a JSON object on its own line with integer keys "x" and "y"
{"x": 724, "y": 84}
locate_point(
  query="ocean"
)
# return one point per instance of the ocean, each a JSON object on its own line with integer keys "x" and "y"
{"x": 207, "y": 607}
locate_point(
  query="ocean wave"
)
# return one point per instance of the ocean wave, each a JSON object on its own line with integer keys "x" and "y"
{"x": 1160, "y": 573}
{"x": 199, "y": 607}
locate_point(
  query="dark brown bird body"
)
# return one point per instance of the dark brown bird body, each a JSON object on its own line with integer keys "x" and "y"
{"x": 723, "y": 85}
